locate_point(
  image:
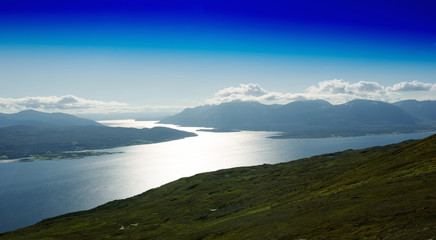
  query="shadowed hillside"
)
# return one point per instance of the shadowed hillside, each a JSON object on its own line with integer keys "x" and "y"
{"x": 376, "y": 193}
{"x": 424, "y": 111}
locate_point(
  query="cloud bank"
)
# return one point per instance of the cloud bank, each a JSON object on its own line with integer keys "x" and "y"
{"x": 336, "y": 91}
{"x": 414, "y": 86}
{"x": 75, "y": 105}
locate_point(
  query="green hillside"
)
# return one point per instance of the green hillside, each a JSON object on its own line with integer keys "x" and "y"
{"x": 377, "y": 193}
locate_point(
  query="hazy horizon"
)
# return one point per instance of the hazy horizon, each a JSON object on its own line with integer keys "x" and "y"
{"x": 142, "y": 116}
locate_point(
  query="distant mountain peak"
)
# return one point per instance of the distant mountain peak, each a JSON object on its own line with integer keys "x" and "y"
{"x": 29, "y": 110}
{"x": 32, "y": 117}
{"x": 364, "y": 101}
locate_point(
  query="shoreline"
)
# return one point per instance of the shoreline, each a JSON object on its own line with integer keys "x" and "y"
{"x": 59, "y": 156}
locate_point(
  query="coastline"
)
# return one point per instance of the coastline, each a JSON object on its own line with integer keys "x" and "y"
{"x": 59, "y": 156}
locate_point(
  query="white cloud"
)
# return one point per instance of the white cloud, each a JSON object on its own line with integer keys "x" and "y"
{"x": 414, "y": 86}
{"x": 336, "y": 91}
{"x": 250, "y": 89}
{"x": 68, "y": 103}
{"x": 75, "y": 105}
{"x": 340, "y": 91}
{"x": 252, "y": 92}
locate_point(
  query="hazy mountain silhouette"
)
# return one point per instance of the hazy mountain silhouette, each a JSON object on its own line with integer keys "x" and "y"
{"x": 41, "y": 119}
{"x": 234, "y": 115}
{"x": 373, "y": 112}
{"x": 422, "y": 110}
{"x": 312, "y": 117}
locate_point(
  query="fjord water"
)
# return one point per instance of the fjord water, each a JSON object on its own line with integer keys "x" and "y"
{"x": 32, "y": 191}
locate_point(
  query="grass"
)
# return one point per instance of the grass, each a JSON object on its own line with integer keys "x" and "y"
{"x": 376, "y": 193}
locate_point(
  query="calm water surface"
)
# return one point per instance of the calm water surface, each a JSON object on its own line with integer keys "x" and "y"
{"x": 32, "y": 191}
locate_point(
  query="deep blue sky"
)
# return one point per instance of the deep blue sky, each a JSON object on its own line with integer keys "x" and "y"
{"x": 181, "y": 52}
{"x": 326, "y": 27}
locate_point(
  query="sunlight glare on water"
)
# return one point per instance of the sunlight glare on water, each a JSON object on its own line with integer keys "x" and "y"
{"x": 156, "y": 164}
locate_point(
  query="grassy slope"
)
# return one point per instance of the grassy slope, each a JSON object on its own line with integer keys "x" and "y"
{"x": 377, "y": 193}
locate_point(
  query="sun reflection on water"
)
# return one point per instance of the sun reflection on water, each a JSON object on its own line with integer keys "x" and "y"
{"x": 132, "y": 123}
{"x": 156, "y": 164}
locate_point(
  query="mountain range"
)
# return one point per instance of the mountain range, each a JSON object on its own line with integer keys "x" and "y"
{"x": 313, "y": 118}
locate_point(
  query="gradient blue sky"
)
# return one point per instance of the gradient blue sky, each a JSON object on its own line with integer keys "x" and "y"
{"x": 180, "y": 53}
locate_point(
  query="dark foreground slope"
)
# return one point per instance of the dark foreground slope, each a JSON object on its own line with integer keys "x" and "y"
{"x": 377, "y": 193}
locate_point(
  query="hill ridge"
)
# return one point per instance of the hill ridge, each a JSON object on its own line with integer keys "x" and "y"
{"x": 42, "y": 119}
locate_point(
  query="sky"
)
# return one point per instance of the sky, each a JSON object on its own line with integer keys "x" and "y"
{"x": 126, "y": 56}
